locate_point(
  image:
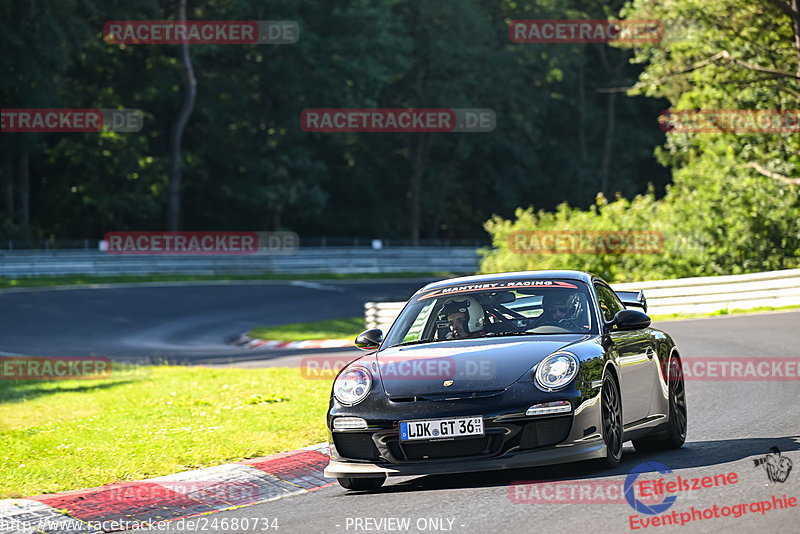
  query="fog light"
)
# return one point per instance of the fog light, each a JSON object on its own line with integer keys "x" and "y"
{"x": 547, "y": 408}
{"x": 348, "y": 423}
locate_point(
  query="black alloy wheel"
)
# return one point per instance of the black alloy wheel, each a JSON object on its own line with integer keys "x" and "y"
{"x": 611, "y": 409}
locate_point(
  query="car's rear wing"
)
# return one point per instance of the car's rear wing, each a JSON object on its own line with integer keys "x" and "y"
{"x": 633, "y": 298}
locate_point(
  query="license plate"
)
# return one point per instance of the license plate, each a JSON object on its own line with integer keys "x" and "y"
{"x": 441, "y": 428}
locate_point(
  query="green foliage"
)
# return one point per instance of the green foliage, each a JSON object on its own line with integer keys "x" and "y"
{"x": 247, "y": 164}
{"x": 618, "y": 216}
{"x": 721, "y": 215}
{"x": 710, "y": 225}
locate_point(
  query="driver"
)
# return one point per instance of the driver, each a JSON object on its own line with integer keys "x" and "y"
{"x": 564, "y": 309}
{"x": 464, "y": 318}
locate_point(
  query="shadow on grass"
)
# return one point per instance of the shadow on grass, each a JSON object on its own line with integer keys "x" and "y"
{"x": 25, "y": 390}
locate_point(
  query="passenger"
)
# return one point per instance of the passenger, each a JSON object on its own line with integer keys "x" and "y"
{"x": 563, "y": 309}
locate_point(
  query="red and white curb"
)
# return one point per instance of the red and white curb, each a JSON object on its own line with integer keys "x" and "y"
{"x": 129, "y": 505}
{"x": 243, "y": 340}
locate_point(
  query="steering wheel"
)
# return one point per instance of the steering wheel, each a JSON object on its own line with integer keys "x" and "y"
{"x": 568, "y": 325}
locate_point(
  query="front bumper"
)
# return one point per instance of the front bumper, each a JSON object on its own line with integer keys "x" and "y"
{"x": 511, "y": 438}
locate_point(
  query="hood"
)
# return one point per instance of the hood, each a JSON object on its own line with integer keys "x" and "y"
{"x": 473, "y": 365}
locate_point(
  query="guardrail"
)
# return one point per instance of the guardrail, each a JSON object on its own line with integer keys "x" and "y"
{"x": 710, "y": 294}
{"x": 25, "y": 263}
{"x": 682, "y": 295}
{"x": 381, "y": 314}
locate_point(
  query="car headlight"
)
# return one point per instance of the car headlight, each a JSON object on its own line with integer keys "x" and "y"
{"x": 352, "y": 386}
{"x": 556, "y": 371}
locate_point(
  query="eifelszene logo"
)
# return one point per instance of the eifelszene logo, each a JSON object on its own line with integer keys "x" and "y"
{"x": 630, "y": 496}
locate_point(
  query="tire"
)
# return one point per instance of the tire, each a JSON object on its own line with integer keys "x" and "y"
{"x": 362, "y": 484}
{"x": 611, "y": 415}
{"x": 676, "y": 431}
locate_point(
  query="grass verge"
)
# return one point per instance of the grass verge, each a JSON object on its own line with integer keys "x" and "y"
{"x": 331, "y": 329}
{"x": 735, "y": 311}
{"x": 70, "y": 434}
{"x": 45, "y": 281}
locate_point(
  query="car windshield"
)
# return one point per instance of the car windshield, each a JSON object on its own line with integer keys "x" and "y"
{"x": 489, "y": 309}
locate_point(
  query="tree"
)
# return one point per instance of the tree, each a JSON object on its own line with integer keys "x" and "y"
{"x": 43, "y": 47}
{"x": 733, "y": 206}
{"x": 739, "y": 55}
{"x": 246, "y": 163}
{"x": 189, "y": 81}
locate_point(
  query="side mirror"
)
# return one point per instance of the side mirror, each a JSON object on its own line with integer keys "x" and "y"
{"x": 372, "y": 339}
{"x": 630, "y": 320}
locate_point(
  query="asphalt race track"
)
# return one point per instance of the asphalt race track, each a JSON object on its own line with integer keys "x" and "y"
{"x": 186, "y": 322}
{"x": 731, "y": 423}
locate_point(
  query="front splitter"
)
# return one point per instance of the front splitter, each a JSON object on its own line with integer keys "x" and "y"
{"x": 554, "y": 455}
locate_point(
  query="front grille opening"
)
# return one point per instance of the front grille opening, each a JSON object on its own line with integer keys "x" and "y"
{"x": 437, "y": 450}
{"x": 545, "y": 432}
{"x": 356, "y": 445}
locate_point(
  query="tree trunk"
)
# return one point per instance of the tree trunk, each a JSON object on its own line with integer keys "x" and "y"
{"x": 582, "y": 116}
{"x": 8, "y": 176}
{"x": 795, "y": 7}
{"x": 607, "y": 144}
{"x": 796, "y": 27}
{"x": 24, "y": 190}
{"x": 174, "y": 210}
{"x": 417, "y": 155}
{"x": 611, "y": 106}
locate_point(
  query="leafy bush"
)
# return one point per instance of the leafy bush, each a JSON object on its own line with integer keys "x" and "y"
{"x": 712, "y": 222}
{"x": 733, "y": 206}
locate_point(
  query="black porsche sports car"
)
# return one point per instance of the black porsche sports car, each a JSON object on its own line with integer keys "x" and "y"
{"x": 502, "y": 371}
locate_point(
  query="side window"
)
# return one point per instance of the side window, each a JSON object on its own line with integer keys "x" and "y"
{"x": 415, "y": 331}
{"x": 608, "y": 301}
